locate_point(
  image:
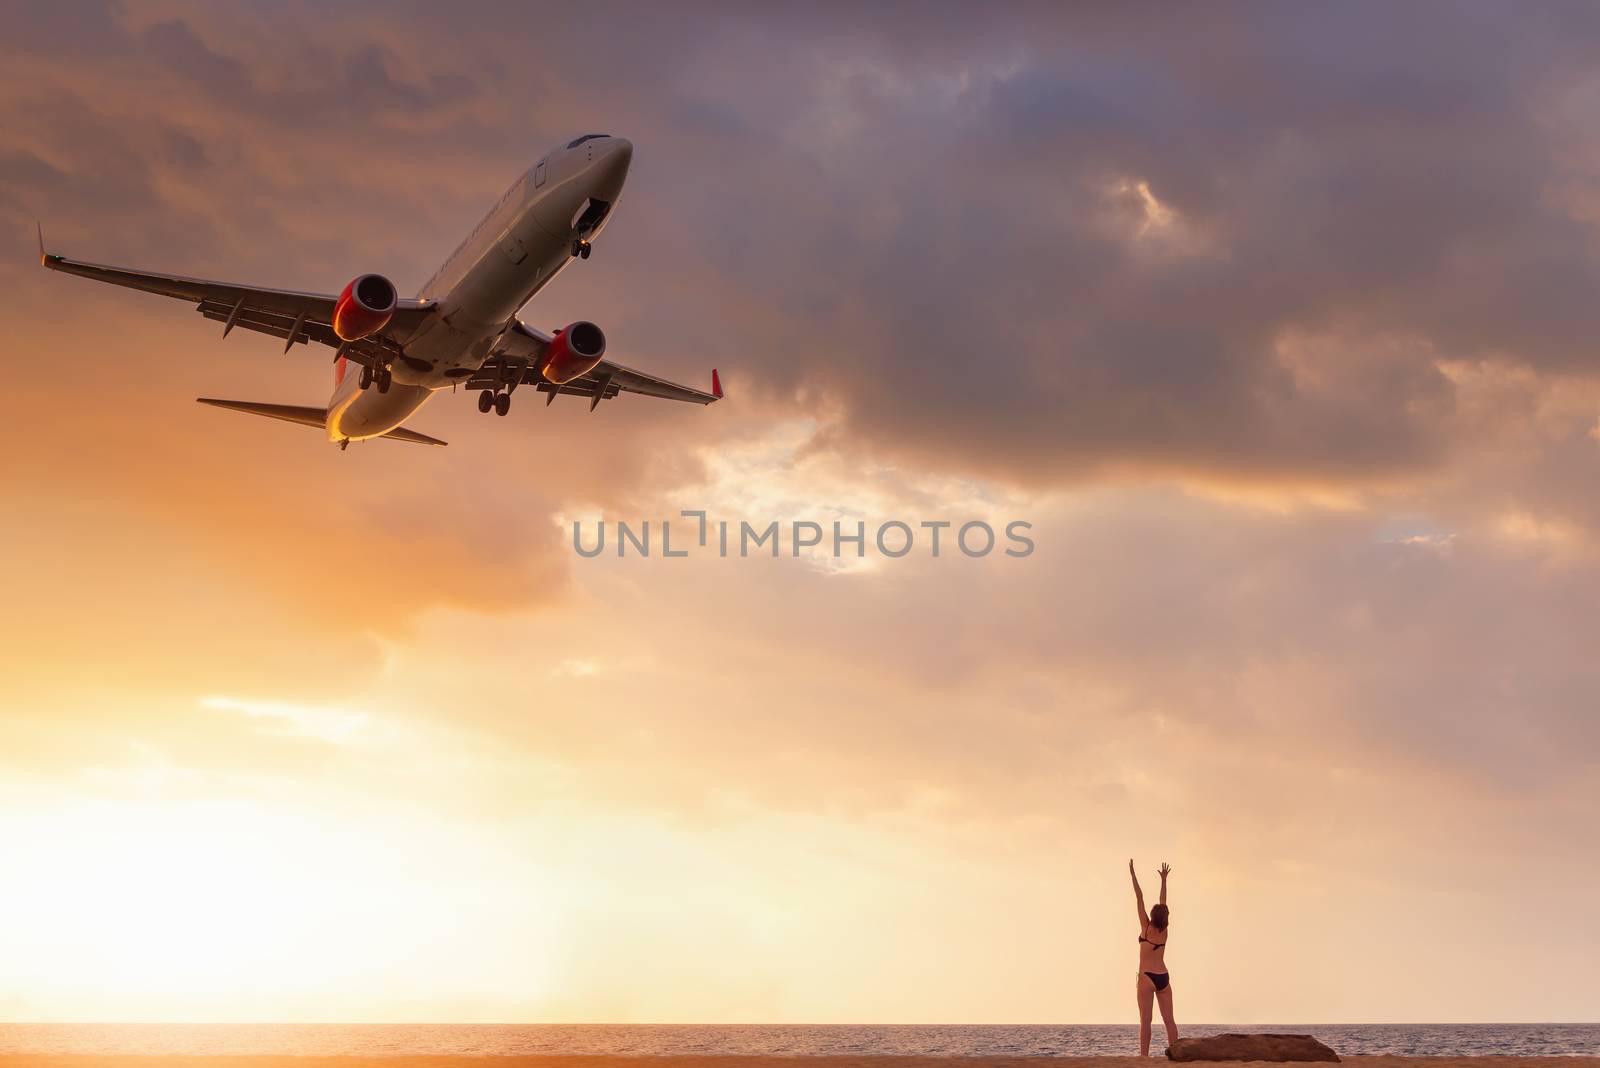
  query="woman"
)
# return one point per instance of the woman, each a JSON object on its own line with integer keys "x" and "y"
{"x": 1154, "y": 984}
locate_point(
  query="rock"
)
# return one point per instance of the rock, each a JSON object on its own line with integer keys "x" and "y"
{"x": 1251, "y": 1048}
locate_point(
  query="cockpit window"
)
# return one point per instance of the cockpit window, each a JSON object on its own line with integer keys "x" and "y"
{"x": 585, "y": 137}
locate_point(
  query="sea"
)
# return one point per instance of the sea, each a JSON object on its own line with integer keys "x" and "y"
{"x": 1032, "y": 1040}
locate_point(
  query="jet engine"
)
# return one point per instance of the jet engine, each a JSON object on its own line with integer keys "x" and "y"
{"x": 573, "y": 352}
{"x": 364, "y": 307}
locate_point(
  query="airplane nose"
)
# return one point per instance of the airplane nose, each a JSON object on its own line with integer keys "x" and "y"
{"x": 612, "y": 164}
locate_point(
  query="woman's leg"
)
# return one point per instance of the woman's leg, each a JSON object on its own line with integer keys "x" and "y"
{"x": 1147, "y": 994}
{"x": 1164, "y": 999}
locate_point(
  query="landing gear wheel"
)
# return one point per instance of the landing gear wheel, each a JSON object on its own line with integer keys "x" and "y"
{"x": 485, "y": 401}
{"x": 366, "y": 377}
{"x": 577, "y": 247}
{"x": 502, "y": 404}
{"x": 584, "y": 250}
{"x": 385, "y": 379}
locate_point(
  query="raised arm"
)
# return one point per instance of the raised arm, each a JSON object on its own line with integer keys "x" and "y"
{"x": 1138, "y": 896}
{"x": 1165, "y": 868}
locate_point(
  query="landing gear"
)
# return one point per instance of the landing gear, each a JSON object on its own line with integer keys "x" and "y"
{"x": 382, "y": 376}
{"x": 580, "y": 248}
{"x": 499, "y": 402}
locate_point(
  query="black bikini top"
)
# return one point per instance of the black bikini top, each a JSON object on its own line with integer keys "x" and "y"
{"x": 1155, "y": 945}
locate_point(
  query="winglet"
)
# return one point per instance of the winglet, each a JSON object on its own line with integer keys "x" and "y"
{"x": 46, "y": 259}
{"x": 716, "y": 384}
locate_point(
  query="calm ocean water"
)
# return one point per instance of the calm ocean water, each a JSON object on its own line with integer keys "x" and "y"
{"x": 380, "y": 1040}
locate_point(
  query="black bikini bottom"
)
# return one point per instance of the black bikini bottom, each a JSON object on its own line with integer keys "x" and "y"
{"x": 1160, "y": 979}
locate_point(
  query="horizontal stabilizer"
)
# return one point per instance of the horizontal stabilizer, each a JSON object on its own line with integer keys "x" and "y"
{"x": 306, "y": 416}
{"x": 291, "y": 413}
{"x": 400, "y": 433}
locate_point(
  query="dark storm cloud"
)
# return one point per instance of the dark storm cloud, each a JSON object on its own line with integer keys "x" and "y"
{"x": 1365, "y": 189}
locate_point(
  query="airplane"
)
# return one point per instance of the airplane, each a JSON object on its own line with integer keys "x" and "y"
{"x": 462, "y": 328}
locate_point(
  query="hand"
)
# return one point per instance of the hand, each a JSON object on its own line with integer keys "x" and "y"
{"x": 1165, "y": 868}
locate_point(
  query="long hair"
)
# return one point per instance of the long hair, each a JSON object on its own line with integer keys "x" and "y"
{"x": 1158, "y": 917}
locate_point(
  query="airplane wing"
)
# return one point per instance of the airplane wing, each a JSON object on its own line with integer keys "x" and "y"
{"x": 301, "y": 318}
{"x": 517, "y": 357}
{"x": 298, "y": 317}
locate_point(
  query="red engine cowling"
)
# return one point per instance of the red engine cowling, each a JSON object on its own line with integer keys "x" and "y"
{"x": 573, "y": 352}
{"x": 364, "y": 308}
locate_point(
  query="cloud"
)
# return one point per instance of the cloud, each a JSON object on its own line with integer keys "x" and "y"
{"x": 322, "y": 724}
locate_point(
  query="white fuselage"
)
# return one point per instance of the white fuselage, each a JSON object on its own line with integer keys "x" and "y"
{"x": 524, "y": 242}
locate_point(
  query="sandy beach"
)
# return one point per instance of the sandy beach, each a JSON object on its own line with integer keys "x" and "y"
{"x": 139, "y": 1061}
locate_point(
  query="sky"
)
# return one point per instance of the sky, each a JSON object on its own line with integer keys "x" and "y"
{"x": 1276, "y": 322}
